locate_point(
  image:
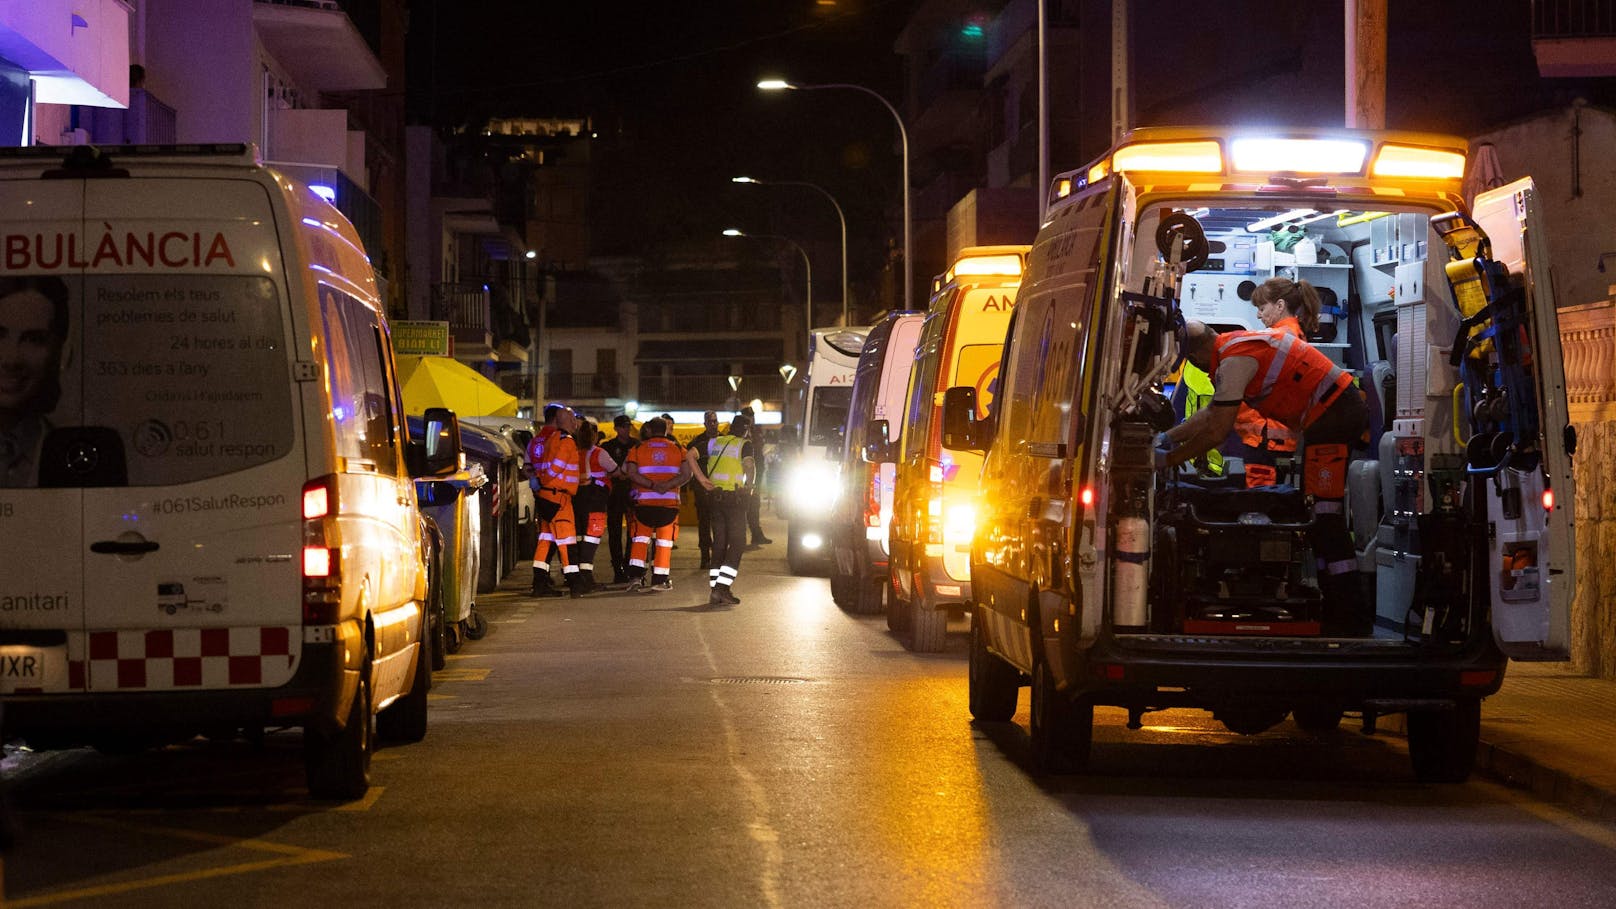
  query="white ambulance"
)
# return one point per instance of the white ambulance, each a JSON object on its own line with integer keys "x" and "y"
{"x": 206, "y": 491}
{"x": 812, "y": 478}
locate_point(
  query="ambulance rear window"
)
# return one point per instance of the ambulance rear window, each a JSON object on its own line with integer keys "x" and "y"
{"x": 828, "y": 413}
{"x": 189, "y": 370}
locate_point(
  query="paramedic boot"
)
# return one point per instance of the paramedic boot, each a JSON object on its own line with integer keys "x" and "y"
{"x": 542, "y": 587}
{"x": 727, "y": 595}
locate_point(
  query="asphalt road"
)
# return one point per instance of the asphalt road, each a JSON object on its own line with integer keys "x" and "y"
{"x": 644, "y": 750}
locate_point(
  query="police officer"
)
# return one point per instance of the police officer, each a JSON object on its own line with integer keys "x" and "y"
{"x": 697, "y": 455}
{"x": 729, "y": 478}
{"x": 754, "y": 503}
{"x": 1287, "y": 380}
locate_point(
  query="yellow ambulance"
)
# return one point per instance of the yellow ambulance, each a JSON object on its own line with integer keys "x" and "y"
{"x": 935, "y": 490}
{"x": 1103, "y": 576}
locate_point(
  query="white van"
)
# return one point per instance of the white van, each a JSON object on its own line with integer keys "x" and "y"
{"x": 811, "y": 478}
{"x": 207, "y": 417}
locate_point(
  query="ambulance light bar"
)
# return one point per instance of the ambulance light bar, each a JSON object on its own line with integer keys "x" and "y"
{"x": 1000, "y": 264}
{"x": 1198, "y": 157}
{"x": 1413, "y": 161}
{"x": 1302, "y": 156}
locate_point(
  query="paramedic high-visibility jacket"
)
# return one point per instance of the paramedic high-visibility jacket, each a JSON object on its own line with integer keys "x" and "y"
{"x": 1294, "y": 381}
{"x": 1259, "y": 432}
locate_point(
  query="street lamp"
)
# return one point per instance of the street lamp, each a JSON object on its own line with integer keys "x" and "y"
{"x": 808, "y": 269}
{"x": 774, "y": 85}
{"x": 846, "y": 318}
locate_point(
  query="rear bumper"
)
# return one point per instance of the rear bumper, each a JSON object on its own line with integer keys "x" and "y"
{"x": 319, "y": 693}
{"x": 1122, "y": 674}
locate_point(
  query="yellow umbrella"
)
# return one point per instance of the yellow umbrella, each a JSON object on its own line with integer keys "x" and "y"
{"x": 446, "y": 382}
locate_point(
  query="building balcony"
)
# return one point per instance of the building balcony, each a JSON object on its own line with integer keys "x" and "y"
{"x": 709, "y": 318}
{"x": 319, "y": 44}
{"x": 1574, "y": 38}
{"x": 468, "y": 308}
{"x": 147, "y": 121}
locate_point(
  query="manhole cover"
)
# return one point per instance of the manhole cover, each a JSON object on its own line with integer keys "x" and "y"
{"x": 759, "y": 680}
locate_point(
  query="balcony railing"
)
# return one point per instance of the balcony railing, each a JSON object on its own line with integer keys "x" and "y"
{"x": 466, "y": 307}
{"x": 1573, "y": 18}
{"x": 583, "y": 385}
{"x": 706, "y": 392}
{"x": 715, "y": 317}
{"x": 519, "y": 384}
{"x": 147, "y": 121}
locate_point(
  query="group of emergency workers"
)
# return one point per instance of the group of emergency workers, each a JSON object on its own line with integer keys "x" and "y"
{"x": 634, "y": 484}
{"x": 1270, "y": 387}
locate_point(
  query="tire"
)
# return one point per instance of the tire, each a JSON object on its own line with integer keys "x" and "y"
{"x": 868, "y": 587}
{"x": 1442, "y": 743}
{"x": 455, "y": 638}
{"x": 337, "y": 764}
{"x": 476, "y": 625}
{"x": 928, "y": 628}
{"x": 487, "y": 544}
{"x": 1317, "y": 719}
{"x": 437, "y": 621}
{"x": 840, "y": 586}
{"x": 1062, "y": 732}
{"x": 404, "y": 720}
{"x": 794, "y": 555}
{"x": 993, "y": 684}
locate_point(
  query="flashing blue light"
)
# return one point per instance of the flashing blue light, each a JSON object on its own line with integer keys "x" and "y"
{"x": 325, "y": 192}
{"x": 972, "y": 31}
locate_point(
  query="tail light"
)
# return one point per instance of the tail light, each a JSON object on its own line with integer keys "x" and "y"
{"x": 322, "y": 563}
{"x": 934, "y": 515}
{"x": 872, "y": 499}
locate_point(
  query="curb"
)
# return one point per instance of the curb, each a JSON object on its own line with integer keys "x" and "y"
{"x": 1521, "y": 771}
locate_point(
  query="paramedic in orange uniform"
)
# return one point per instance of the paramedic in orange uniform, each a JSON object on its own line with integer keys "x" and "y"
{"x": 1291, "y": 307}
{"x": 535, "y": 471}
{"x": 657, "y": 468}
{"x": 558, "y": 482}
{"x": 1287, "y": 380}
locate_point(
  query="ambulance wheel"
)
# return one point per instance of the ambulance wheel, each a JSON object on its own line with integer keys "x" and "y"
{"x": 928, "y": 627}
{"x": 405, "y": 719}
{"x": 794, "y": 557}
{"x": 1062, "y": 732}
{"x": 1442, "y": 743}
{"x": 897, "y": 610}
{"x": 476, "y": 626}
{"x": 337, "y": 764}
{"x": 1317, "y": 719}
{"x": 437, "y": 621}
{"x": 993, "y": 684}
{"x": 839, "y": 586}
{"x": 867, "y": 587}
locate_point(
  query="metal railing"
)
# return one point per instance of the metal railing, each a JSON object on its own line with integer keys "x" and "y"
{"x": 463, "y": 306}
{"x": 583, "y": 384}
{"x": 147, "y": 121}
{"x": 708, "y": 317}
{"x": 705, "y": 392}
{"x": 1573, "y": 18}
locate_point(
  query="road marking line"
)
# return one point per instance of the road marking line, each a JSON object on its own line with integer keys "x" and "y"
{"x": 433, "y": 696}
{"x": 366, "y": 803}
{"x": 460, "y": 675}
{"x": 1598, "y": 834}
{"x": 289, "y": 855}
{"x": 759, "y": 828}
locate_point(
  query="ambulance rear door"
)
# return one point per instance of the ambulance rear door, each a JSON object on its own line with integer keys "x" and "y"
{"x": 192, "y": 575}
{"x": 1532, "y": 554}
{"x": 41, "y": 326}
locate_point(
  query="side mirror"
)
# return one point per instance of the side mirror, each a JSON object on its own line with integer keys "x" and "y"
{"x": 959, "y": 419}
{"x": 436, "y": 492}
{"x": 437, "y": 453}
{"x": 877, "y": 444}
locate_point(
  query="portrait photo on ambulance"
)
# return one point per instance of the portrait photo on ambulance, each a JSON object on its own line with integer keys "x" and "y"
{"x": 1281, "y": 432}
{"x": 33, "y": 335}
{"x": 208, "y": 480}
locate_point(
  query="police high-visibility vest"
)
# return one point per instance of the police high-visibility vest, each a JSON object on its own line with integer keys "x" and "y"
{"x": 1294, "y": 382}
{"x": 724, "y": 465}
{"x": 658, "y": 460}
{"x": 1197, "y": 395}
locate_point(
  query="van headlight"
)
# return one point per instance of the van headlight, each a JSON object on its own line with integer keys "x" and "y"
{"x": 959, "y": 523}
{"x": 812, "y": 487}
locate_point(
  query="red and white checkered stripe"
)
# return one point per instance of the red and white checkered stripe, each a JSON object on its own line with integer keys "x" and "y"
{"x": 178, "y": 659}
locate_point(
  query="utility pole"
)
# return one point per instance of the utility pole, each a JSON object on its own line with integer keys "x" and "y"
{"x": 1366, "y": 64}
{"x": 1119, "y": 70}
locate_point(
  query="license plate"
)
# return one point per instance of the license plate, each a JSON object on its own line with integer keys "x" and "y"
{"x": 31, "y": 668}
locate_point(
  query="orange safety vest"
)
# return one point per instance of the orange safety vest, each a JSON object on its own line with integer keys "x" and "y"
{"x": 1294, "y": 383}
{"x": 597, "y": 469}
{"x": 560, "y": 467}
{"x": 535, "y": 448}
{"x": 1257, "y": 431}
{"x": 657, "y": 460}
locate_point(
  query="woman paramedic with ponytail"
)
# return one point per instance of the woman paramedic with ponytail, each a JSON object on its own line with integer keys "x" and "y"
{"x": 1291, "y": 307}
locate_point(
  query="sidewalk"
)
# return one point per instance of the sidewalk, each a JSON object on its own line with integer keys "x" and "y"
{"x": 1553, "y": 733}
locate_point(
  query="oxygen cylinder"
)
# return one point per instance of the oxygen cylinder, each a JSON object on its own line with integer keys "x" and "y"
{"x": 1130, "y": 574}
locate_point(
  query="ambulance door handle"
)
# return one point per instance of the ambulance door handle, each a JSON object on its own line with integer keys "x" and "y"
{"x": 120, "y": 547}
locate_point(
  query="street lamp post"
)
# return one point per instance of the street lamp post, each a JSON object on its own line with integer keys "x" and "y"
{"x": 903, "y": 137}
{"x": 840, "y": 216}
{"x": 808, "y": 270}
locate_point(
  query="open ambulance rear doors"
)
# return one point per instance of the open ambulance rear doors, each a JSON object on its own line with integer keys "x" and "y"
{"x": 1532, "y": 555}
